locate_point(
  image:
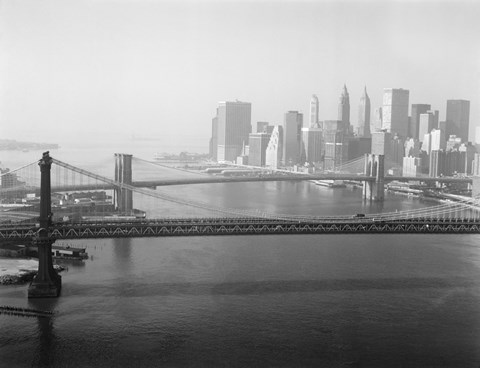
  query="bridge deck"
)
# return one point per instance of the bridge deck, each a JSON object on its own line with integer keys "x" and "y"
{"x": 214, "y": 226}
{"x": 242, "y": 179}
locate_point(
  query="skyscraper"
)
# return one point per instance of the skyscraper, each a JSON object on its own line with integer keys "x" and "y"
{"x": 273, "y": 156}
{"x": 397, "y": 149}
{"x": 458, "y": 116}
{"x": 412, "y": 148}
{"x": 413, "y": 128}
{"x": 427, "y": 122}
{"x": 214, "y": 140}
{"x": 381, "y": 144}
{"x": 312, "y": 143}
{"x": 335, "y": 143}
{"x": 377, "y": 120}
{"x": 412, "y": 166}
{"x": 437, "y": 141}
{"x": 395, "y": 111}
{"x": 313, "y": 111}
{"x": 344, "y": 109}
{"x": 234, "y": 126}
{"x": 262, "y": 126}
{"x": 257, "y": 148}
{"x": 364, "y": 115}
{"x": 292, "y": 138}
{"x": 437, "y": 163}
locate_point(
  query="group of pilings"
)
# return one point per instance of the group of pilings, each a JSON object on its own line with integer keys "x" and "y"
{"x": 24, "y": 312}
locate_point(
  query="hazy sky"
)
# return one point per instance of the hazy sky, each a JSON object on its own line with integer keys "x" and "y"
{"x": 112, "y": 69}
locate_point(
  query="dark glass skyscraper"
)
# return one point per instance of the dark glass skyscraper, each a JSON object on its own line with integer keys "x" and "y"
{"x": 257, "y": 143}
{"x": 234, "y": 126}
{"x": 413, "y": 128}
{"x": 292, "y": 138}
{"x": 458, "y": 116}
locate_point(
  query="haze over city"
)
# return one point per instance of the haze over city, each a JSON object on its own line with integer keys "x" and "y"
{"x": 241, "y": 183}
{"x": 73, "y": 71}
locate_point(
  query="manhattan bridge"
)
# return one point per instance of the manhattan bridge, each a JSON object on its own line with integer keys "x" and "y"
{"x": 61, "y": 201}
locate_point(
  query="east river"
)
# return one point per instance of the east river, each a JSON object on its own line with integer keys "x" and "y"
{"x": 260, "y": 301}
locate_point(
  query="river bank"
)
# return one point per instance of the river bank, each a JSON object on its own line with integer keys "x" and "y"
{"x": 19, "y": 271}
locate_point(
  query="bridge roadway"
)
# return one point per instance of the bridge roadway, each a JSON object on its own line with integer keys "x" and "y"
{"x": 241, "y": 179}
{"x": 241, "y": 226}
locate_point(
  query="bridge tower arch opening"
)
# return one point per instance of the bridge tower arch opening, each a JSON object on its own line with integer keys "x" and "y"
{"x": 47, "y": 283}
{"x": 374, "y": 167}
{"x": 123, "y": 175}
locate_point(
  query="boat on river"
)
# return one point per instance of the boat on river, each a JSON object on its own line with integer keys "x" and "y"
{"x": 68, "y": 252}
{"x": 330, "y": 183}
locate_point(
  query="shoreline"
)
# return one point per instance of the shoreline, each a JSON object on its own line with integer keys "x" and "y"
{"x": 20, "y": 271}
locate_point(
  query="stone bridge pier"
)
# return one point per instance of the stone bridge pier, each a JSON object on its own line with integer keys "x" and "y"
{"x": 374, "y": 166}
{"x": 123, "y": 174}
{"x": 47, "y": 283}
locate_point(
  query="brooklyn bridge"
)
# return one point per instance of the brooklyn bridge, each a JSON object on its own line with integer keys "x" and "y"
{"x": 62, "y": 201}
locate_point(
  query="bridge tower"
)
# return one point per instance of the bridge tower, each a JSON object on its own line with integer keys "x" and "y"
{"x": 374, "y": 166}
{"x": 47, "y": 283}
{"x": 123, "y": 174}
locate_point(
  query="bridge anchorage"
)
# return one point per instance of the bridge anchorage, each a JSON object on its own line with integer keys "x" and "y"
{"x": 47, "y": 283}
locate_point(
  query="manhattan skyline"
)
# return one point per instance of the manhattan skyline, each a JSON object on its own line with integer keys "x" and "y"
{"x": 157, "y": 70}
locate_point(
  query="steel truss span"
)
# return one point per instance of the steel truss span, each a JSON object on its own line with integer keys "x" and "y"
{"x": 210, "y": 227}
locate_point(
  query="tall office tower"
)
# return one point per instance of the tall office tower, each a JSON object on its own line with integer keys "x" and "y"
{"x": 335, "y": 143}
{"x": 262, "y": 126}
{"x": 292, "y": 137}
{"x": 476, "y": 165}
{"x": 437, "y": 164}
{"x": 458, "y": 116}
{"x": 413, "y": 127}
{"x": 395, "y": 111}
{"x": 381, "y": 144}
{"x": 467, "y": 150}
{"x": 427, "y": 122}
{"x": 234, "y": 126}
{"x": 313, "y": 111}
{"x": 454, "y": 163}
{"x": 257, "y": 148}
{"x": 214, "y": 139}
{"x": 335, "y": 149}
{"x": 312, "y": 143}
{"x": 437, "y": 140}
{"x": 273, "y": 156}
{"x": 412, "y": 166}
{"x": 377, "y": 120}
{"x": 427, "y": 143}
{"x": 412, "y": 148}
{"x": 453, "y": 142}
{"x": 397, "y": 149}
{"x": 477, "y": 135}
{"x": 364, "y": 115}
{"x": 344, "y": 109}
{"x": 442, "y": 125}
